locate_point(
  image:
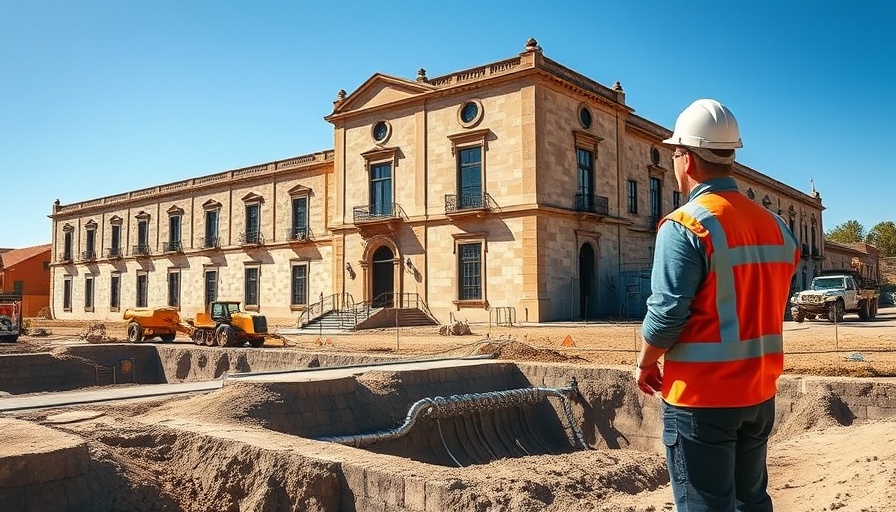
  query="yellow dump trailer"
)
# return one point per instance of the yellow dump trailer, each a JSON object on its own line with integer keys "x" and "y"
{"x": 147, "y": 323}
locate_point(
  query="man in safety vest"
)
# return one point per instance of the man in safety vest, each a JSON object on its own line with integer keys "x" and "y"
{"x": 720, "y": 283}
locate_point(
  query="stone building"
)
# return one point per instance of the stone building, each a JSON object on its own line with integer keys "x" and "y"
{"x": 859, "y": 256}
{"x": 519, "y": 188}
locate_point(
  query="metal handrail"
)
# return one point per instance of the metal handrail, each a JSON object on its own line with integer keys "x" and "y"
{"x": 592, "y": 203}
{"x": 334, "y": 302}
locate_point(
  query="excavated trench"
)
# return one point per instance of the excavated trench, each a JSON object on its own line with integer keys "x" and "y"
{"x": 485, "y": 435}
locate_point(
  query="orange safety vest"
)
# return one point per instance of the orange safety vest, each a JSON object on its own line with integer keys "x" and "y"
{"x": 730, "y": 352}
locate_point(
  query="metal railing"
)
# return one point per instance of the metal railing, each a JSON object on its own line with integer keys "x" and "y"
{"x": 592, "y": 204}
{"x": 334, "y": 302}
{"x": 140, "y": 250}
{"x": 209, "y": 242}
{"x": 395, "y": 300}
{"x": 471, "y": 201}
{"x": 251, "y": 238}
{"x": 375, "y": 212}
{"x": 65, "y": 256}
{"x": 172, "y": 247}
{"x": 301, "y": 234}
{"x": 88, "y": 255}
{"x": 113, "y": 252}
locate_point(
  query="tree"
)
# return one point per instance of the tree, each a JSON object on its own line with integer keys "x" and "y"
{"x": 883, "y": 236}
{"x": 848, "y": 232}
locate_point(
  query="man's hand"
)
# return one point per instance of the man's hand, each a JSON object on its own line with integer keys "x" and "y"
{"x": 649, "y": 379}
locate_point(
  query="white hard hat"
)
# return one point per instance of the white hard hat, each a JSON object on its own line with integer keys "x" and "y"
{"x": 706, "y": 124}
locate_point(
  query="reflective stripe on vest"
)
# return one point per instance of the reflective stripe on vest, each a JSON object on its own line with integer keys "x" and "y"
{"x": 714, "y": 372}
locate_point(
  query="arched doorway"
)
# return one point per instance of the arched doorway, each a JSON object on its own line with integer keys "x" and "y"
{"x": 383, "y": 286}
{"x": 587, "y": 284}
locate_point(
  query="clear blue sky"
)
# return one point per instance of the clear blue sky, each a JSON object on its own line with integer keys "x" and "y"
{"x": 98, "y": 97}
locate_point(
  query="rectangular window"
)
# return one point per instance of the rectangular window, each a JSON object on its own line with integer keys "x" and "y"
{"x": 115, "y": 246}
{"x": 585, "y": 187}
{"x": 299, "y": 218}
{"x": 470, "y": 271}
{"x": 632, "y": 196}
{"x": 90, "y": 245}
{"x": 67, "y": 294}
{"x": 18, "y": 287}
{"x": 211, "y": 286}
{"x": 656, "y": 198}
{"x": 142, "y": 290}
{"x": 251, "y": 286}
{"x": 469, "y": 179}
{"x": 67, "y": 247}
{"x": 381, "y": 190}
{"x": 142, "y": 237}
{"x": 299, "y": 285}
{"x": 88, "y": 293}
{"x": 676, "y": 199}
{"x": 115, "y": 292}
{"x": 211, "y": 229}
{"x": 253, "y": 223}
{"x": 174, "y": 233}
{"x": 174, "y": 289}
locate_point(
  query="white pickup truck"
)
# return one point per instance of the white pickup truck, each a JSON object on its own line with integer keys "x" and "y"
{"x": 834, "y": 294}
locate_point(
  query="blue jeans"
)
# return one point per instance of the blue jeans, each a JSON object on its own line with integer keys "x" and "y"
{"x": 716, "y": 457}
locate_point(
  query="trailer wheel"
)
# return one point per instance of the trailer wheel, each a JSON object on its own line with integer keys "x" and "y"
{"x": 209, "y": 339}
{"x": 168, "y": 338}
{"x": 225, "y": 335}
{"x": 865, "y": 310}
{"x": 135, "y": 332}
{"x": 873, "y": 312}
{"x": 800, "y": 316}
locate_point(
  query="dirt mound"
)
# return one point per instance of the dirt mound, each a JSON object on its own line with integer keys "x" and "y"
{"x": 815, "y": 412}
{"x": 516, "y": 351}
{"x": 235, "y": 403}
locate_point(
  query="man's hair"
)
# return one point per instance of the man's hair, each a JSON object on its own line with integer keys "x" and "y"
{"x": 714, "y": 168}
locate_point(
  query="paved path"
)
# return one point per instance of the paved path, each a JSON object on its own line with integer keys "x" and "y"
{"x": 111, "y": 394}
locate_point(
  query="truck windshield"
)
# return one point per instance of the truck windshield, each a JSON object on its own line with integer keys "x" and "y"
{"x": 827, "y": 283}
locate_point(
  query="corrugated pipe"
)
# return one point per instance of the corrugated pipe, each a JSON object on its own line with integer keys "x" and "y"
{"x": 455, "y": 405}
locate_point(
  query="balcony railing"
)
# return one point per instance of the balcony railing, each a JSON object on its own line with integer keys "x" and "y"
{"x": 375, "y": 212}
{"x": 209, "y": 242}
{"x": 251, "y": 238}
{"x": 140, "y": 250}
{"x": 113, "y": 252}
{"x": 173, "y": 247}
{"x": 592, "y": 204}
{"x": 65, "y": 256}
{"x": 472, "y": 201}
{"x": 301, "y": 234}
{"x": 88, "y": 255}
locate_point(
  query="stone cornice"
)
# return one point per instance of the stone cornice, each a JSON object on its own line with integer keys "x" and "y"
{"x": 191, "y": 186}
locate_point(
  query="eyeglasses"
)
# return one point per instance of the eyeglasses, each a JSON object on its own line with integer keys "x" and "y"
{"x": 677, "y": 154}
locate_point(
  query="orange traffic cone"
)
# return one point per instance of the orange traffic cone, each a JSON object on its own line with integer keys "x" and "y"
{"x": 567, "y": 342}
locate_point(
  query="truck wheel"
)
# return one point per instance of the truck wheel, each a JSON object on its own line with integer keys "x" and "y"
{"x": 865, "y": 310}
{"x": 256, "y": 342}
{"x": 225, "y": 335}
{"x": 873, "y": 312}
{"x": 835, "y": 312}
{"x": 197, "y": 337}
{"x": 810, "y": 316}
{"x": 135, "y": 332}
{"x": 168, "y": 338}
{"x": 800, "y": 316}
